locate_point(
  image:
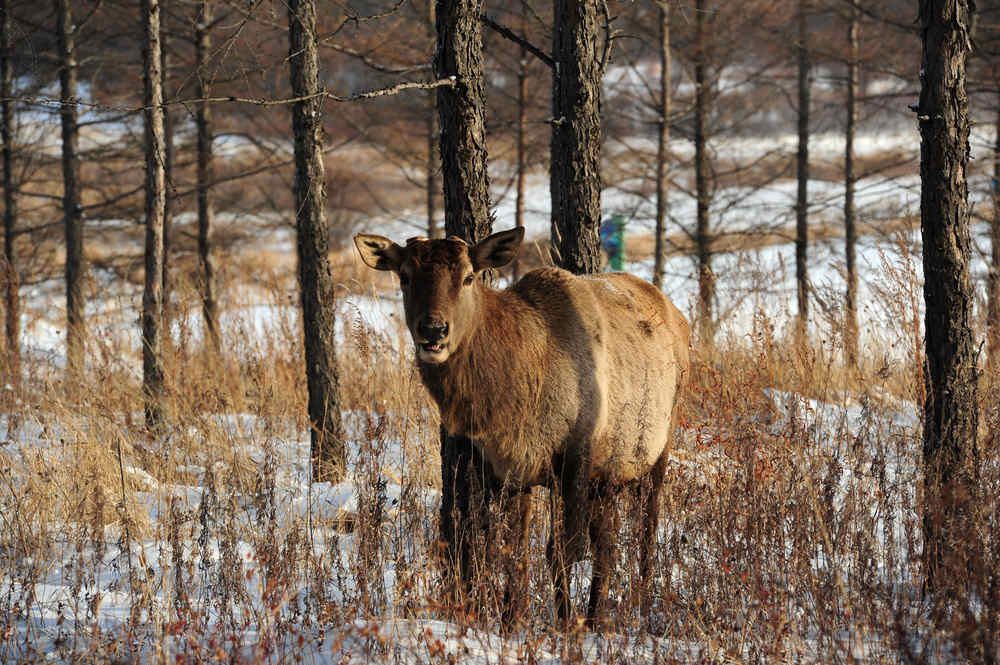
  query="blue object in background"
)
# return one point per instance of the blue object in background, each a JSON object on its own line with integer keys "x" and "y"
{"x": 613, "y": 241}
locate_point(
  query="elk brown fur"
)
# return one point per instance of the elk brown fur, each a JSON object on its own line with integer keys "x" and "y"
{"x": 560, "y": 380}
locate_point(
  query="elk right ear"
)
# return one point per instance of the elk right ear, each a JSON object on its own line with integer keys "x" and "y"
{"x": 379, "y": 252}
{"x": 498, "y": 250}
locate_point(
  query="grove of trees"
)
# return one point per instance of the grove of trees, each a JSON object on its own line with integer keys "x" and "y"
{"x": 204, "y": 125}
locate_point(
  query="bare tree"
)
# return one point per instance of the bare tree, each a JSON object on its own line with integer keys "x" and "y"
{"x": 315, "y": 282}
{"x": 662, "y": 145}
{"x": 951, "y": 415}
{"x": 850, "y": 178}
{"x": 433, "y": 159}
{"x": 11, "y": 289}
{"x": 72, "y": 214}
{"x": 461, "y": 114}
{"x": 575, "y": 163}
{"x": 206, "y": 210}
{"x": 702, "y": 96}
{"x": 522, "y": 121}
{"x": 152, "y": 296}
{"x": 802, "y": 175}
{"x": 168, "y": 176}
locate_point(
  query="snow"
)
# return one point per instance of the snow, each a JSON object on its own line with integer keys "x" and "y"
{"x": 103, "y": 579}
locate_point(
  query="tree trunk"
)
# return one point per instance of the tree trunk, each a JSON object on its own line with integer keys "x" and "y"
{"x": 72, "y": 214}
{"x": 206, "y": 212}
{"x": 152, "y": 296}
{"x": 461, "y": 113}
{"x": 663, "y": 140}
{"x": 462, "y": 117}
{"x": 993, "y": 276}
{"x": 951, "y": 419}
{"x": 433, "y": 161}
{"x": 433, "y": 231}
{"x": 575, "y": 162}
{"x": 850, "y": 230}
{"x": 706, "y": 280}
{"x": 11, "y": 296}
{"x": 522, "y": 126}
{"x": 168, "y": 186}
{"x": 802, "y": 174}
{"x": 315, "y": 282}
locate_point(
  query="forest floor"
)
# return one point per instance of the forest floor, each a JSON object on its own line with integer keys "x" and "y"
{"x": 791, "y": 521}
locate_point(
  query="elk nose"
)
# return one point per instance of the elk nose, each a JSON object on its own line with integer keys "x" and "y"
{"x": 432, "y": 331}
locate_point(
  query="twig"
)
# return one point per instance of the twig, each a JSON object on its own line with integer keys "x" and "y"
{"x": 517, "y": 39}
{"x": 608, "y": 37}
{"x": 369, "y": 94}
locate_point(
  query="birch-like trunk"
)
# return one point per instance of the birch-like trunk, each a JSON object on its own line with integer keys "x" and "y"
{"x": 152, "y": 296}
{"x": 72, "y": 214}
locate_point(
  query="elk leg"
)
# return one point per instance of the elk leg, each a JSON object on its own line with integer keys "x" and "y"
{"x": 602, "y": 553}
{"x": 568, "y": 542}
{"x": 650, "y": 522}
{"x": 466, "y": 487}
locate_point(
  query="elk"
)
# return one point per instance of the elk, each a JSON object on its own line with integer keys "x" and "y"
{"x": 562, "y": 381}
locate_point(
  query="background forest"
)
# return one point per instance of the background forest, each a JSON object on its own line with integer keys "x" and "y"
{"x": 764, "y": 158}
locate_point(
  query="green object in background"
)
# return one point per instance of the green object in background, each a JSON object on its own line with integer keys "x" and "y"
{"x": 613, "y": 241}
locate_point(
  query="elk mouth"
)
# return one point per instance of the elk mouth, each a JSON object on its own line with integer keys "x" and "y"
{"x": 432, "y": 352}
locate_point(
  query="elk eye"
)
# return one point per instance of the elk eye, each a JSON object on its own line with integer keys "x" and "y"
{"x": 404, "y": 279}
{"x": 468, "y": 280}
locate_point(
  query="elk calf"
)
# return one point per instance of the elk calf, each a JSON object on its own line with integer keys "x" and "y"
{"x": 562, "y": 381}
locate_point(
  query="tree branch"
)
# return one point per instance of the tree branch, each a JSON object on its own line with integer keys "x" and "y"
{"x": 517, "y": 39}
{"x": 369, "y": 94}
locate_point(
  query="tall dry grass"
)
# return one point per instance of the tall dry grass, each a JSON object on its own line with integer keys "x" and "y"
{"x": 790, "y": 532}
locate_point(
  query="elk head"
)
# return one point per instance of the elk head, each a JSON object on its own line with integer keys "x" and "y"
{"x": 442, "y": 295}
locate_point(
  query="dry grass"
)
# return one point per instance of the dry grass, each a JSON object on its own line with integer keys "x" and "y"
{"x": 790, "y": 528}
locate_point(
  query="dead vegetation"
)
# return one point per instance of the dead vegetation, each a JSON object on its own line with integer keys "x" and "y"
{"x": 790, "y": 526}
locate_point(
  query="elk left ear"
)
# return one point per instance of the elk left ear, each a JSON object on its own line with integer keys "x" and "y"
{"x": 498, "y": 250}
{"x": 378, "y": 252}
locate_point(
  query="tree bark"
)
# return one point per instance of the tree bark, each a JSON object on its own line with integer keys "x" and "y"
{"x": 433, "y": 160}
{"x": 433, "y": 231}
{"x": 522, "y": 127}
{"x": 706, "y": 280}
{"x": 315, "y": 282}
{"x": 663, "y": 141}
{"x": 206, "y": 211}
{"x": 152, "y": 296}
{"x": 850, "y": 230}
{"x": 951, "y": 418}
{"x": 576, "y": 136}
{"x": 802, "y": 175}
{"x": 168, "y": 181}
{"x": 462, "y": 118}
{"x": 461, "y": 114}
{"x": 12, "y": 299}
{"x": 993, "y": 276}
{"x": 72, "y": 213}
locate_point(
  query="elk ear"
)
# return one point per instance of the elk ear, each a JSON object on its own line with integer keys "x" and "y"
{"x": 378, "y": 252}
{"x": 498, "y": 250}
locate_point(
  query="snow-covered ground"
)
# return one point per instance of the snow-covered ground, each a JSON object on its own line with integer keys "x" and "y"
{"x": 153, "y": 594}
{"x": 201, "y": 574}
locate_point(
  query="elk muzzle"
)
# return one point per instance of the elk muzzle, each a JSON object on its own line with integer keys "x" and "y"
{"x": 431, "y": 339}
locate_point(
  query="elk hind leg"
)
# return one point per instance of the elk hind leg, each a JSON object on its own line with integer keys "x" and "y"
{"x": 602, "y": 545}
{"x": 648, "y": 536}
